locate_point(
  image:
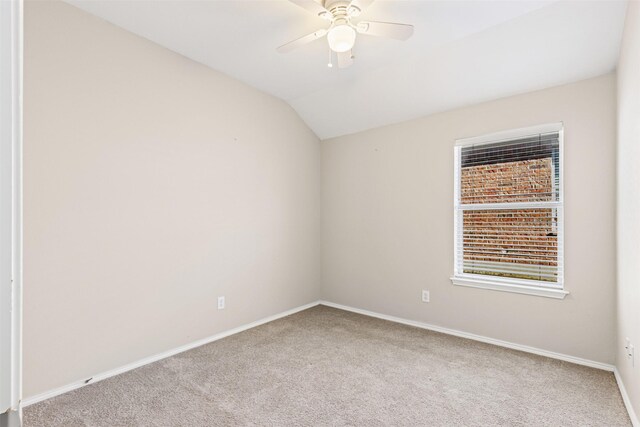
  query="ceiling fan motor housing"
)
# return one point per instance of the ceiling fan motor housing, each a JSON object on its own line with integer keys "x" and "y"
{"x": 341, "y": 10}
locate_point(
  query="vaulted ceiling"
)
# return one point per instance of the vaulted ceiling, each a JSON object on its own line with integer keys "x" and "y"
{"x": 462, "y": 52}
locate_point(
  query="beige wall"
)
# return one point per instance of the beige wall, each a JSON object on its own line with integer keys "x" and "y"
{"x": 152, "y": 185}
{"x": 629, "y": 203}
{"x": 388, "y": 222}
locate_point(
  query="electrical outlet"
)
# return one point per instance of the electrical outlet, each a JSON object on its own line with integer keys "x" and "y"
{"x": 425, "y": 296}
{"x": 220, "y": 303}
{"x": 630, "y": 350}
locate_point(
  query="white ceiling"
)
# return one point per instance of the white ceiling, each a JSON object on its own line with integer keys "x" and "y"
{"x": 462, "y": 52}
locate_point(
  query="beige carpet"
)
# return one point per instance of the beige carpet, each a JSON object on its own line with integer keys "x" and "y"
{"x": 327, "y": 367}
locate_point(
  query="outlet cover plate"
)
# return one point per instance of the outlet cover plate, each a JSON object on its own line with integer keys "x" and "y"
{"x": 425, "y": 296}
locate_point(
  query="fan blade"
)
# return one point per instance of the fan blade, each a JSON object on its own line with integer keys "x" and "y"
{"x": 360, "y": 4}
{"x": 285, "y": 48}
{"x": 312, "y": 6}
{"x": 345, "y": 59}
{"x": 386, "y": 29}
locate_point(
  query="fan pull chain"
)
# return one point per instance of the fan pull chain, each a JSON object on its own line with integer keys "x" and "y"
{"x": 330, "y": 64}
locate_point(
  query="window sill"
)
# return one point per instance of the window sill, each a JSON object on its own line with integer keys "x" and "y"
{"x": 509, "y": 287}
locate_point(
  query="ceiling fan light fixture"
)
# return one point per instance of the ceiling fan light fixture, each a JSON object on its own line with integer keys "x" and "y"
{"x": 341, "y": 38}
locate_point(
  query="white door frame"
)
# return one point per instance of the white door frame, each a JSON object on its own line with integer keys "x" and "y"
{"x": 10, "y": 205}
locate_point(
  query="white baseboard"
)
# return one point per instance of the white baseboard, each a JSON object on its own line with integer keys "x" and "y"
{"x": 104, "y": 375}
{"x": 627, "y": 401}
{"x": 500, "y": 343}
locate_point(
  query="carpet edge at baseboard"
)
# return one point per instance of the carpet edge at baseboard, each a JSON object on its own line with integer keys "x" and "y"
{"x": 626, "y": 399}
{"x": 151, "y": 359}
{"x": 475, "y": 337}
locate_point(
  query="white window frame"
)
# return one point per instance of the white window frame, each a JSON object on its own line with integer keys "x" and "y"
{"x": 520, "y": 286}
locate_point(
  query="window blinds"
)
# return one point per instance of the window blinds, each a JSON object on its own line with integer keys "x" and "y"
{"x": 508, "y": 210}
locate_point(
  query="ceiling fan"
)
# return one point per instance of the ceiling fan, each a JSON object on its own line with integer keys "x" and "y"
{"x": 342, "y": 31}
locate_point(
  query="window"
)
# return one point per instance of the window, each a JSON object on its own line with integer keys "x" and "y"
{"x": 508, "y": 209}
